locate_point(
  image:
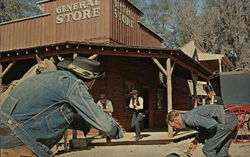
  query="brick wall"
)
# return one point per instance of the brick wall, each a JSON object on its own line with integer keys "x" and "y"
{"x": 144, "y": 73}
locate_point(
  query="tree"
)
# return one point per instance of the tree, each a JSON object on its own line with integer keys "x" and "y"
{"x": 16, "y": 9}
{"x": 219, "y": 26}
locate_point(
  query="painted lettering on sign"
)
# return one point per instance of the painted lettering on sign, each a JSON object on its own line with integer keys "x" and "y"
{"x": 78, "y": 11}
{"x": 123, "y": 13}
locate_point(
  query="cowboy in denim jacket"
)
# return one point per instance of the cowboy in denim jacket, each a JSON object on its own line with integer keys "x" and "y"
{"x": 39, "y": 110}
{"x": 215, "y": 126}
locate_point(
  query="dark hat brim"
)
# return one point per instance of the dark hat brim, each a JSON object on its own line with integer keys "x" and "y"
{"x": 65, "y": 63}
{"x": 103, "y": 96}
{"x": 134, "y": 92}
{"x": 100, "y": 76}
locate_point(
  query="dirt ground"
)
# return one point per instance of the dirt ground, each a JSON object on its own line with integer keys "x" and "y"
{"x": 236, "y": 150}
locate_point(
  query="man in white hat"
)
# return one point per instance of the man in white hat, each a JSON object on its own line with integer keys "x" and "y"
{"x": 39, "y": 110}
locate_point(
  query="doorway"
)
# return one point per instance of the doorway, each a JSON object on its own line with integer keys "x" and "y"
{"x": 145, "y": 108}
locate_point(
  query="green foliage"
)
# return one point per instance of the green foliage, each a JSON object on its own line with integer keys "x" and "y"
{"x": 15, "y": 9}
{"x": 219, "y": 26}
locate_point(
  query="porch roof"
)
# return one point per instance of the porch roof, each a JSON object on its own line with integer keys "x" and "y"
{"x": 71, "y": 47}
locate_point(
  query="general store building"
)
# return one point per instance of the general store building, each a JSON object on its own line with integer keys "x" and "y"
{"x": 131, "y": 54}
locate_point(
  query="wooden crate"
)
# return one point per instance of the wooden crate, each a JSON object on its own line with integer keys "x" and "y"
{"x": 22, "y": 151}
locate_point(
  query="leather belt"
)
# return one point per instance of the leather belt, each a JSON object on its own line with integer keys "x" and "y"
{"x": 6, "y": 132}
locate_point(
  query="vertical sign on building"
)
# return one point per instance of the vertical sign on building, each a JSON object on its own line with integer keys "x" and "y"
{"x": 123, "y": 13}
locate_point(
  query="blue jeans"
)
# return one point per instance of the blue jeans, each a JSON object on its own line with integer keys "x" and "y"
{"x": 218, "y": 145}
{"x": 136, "y": 123}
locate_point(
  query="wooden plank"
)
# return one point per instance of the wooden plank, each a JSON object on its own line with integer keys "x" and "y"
{"x": 12, "y": 35}
{"x": 160, "y": 66}
{"x": 17, "y": 37}
{"x": 21, "y": 151}
{"x": 31, "y": 33}
{"x": 220, "y": 67}
{"x": 6, "y": 43}
{"x": 43, "y": 32}
{"x": 2, "y": 35}
{"x": 169, "y": 91}
{"x": 37, "y": 34}
{"x": 25, "y": 36}
{"x": 7, "y": 69}
{"x": 1, "y": 71}
{"x": 194, "y": 80}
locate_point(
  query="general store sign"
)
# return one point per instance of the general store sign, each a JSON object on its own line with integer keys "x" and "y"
{"x": 82, "y": 10}
{"x": 123, "y": 13}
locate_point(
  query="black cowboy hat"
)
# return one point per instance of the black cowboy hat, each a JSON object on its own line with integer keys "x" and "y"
{"x": 103, "y": 96}
{"x": 83, "y": 67}
{"x": 134, "y": 91}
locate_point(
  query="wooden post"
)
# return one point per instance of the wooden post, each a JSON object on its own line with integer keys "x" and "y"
{"x": 194, "y": 80}
{"x": 168, "y": 73}
{"x": 1, "y": 152}
{"x": 65, "y": 139}
{"x": 1, "y": 70}
{"x": 220, "y": 68}
{"x": 74, "y": 135}
{"x": 169, "y": 89}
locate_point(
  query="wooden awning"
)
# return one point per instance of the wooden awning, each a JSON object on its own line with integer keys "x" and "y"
{"x": 110, "y": 50}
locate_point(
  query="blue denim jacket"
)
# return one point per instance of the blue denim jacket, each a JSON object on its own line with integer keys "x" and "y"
{"x": 45, "y": 105}
{"x": 205, "y": 119}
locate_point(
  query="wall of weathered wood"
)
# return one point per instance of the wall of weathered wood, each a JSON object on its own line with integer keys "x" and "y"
{"x": 105, "y": 28}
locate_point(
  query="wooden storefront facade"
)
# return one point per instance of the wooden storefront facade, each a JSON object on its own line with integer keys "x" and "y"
{"x": 61, "y": 22}
{"x": 131, "y": 54}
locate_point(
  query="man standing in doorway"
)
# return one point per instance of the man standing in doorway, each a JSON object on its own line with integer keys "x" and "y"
{"x": 136, "y": 104}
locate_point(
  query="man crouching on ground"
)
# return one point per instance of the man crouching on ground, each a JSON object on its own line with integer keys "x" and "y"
{"x": 215, "y": 125}
{"x": 39, "y": 110}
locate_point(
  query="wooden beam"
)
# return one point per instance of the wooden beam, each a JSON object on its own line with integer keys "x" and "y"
{"x": 74, "y": 134}
{"x": 179, "y": 59}
{"x": 160, "y": 66}
{"x": 172, "y": 68}
{"x": 191, "y": 68}
{"x": 83, "y": 51}
{"x": 220, "y": 68}
{"x": 74, "y": 55}
{"x": 7, "y": 69}
{"x": 169, "y": 89}
{"x": 1, "y": 70}
{"x": 93, "y": 56}
{"x": 65, "y": 139}
{"x": 194, "y": 80}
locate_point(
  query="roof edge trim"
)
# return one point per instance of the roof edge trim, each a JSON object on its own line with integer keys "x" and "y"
{"x": 130, "y": 3}
{"x": 141, "y": 24}
{"x": 43, "y": 1}
{"x": 23, "y": 19}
